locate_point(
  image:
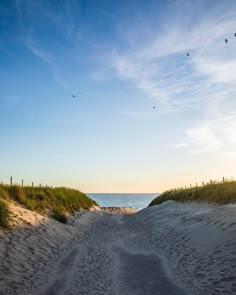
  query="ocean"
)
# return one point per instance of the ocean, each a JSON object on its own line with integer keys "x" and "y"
{"x": 135, "y": 201}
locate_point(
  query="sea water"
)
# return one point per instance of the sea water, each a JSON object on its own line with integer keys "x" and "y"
{"x": 135, "y": 201}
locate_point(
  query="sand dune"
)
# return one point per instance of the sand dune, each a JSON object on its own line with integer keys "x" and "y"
{"x": 167, "y": 249}
{"x": 197, "y": 243}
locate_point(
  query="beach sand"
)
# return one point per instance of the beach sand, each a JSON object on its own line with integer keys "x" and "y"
{"x": 168, "y": 249}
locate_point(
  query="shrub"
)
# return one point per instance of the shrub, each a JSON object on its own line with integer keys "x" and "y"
{"x": 4, "y": 214}
{"x": 59, "y": 215}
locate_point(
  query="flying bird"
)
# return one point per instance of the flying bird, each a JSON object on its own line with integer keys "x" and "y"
{"x": 234, "y": 34}
{"x": 154, "y": 107}
{"x": 187, "y": 54}
{"x": 226, "y": 40}
{"x": 73, "y": 96}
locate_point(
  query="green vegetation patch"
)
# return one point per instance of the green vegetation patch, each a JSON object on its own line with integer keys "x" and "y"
{"x": 59, "y": 215}
{"x": 4, "y": 214}
{"x": 216, "y": 192}
{"x": 61, "y": 201}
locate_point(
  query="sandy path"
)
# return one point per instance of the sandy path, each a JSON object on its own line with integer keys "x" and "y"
{"x": 168, "y": 249}
{"x": 112, "y": 258}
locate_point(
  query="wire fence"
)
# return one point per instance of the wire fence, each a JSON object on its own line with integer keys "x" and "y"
{"x": 203, "y": 183}
{"x": 22, "y": 183}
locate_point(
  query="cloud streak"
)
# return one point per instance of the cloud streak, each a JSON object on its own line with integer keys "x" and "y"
{"x": 214, "y": 136}
{"x": 152, "y": 58}
{"x": 204, "y": 82}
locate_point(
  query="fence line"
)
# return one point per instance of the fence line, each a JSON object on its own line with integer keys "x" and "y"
{"x": 224, "y": 179}
{"x": 23, "y": 184}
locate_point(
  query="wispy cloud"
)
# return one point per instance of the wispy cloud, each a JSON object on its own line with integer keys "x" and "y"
{"x": 152, "y": 57}
{"x": 44, "y": 56}
{"x": 163, "y": 71}
{"x": 216, "y": 135}
{"x": 159, "y": 67}
{"x": 56, "y": 64}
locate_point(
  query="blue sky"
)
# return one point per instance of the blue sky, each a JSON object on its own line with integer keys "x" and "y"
{"x": 119, "y": 58}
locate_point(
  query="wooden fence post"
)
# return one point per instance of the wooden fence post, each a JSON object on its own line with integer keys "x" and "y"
{"x": 11, "y": 181}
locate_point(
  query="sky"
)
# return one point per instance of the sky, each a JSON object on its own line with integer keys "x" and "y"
{"x": 120, "y": 59}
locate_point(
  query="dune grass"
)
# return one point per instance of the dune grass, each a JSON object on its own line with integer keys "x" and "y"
{"x": 216, "y": 192}
{"x": 60, "y": 201}
{"x": 4, "y": 214}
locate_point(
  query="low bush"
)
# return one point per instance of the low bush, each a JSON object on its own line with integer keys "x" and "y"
{"x": 4, "y": 214}
{"x": 59, "y": 215}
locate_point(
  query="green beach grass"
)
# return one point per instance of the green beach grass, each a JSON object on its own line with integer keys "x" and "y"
{"x": 60, "y": 201}
{"x": 216, "y": 192}
{"x": 4, "y": 214}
